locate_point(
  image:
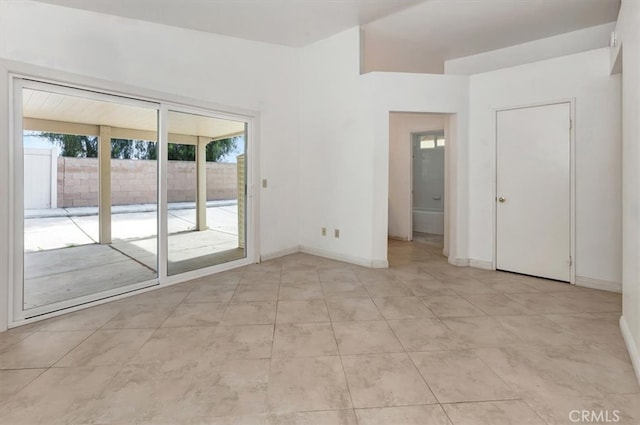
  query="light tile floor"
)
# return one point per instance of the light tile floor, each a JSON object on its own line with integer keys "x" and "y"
{"x": 305, "y": 340}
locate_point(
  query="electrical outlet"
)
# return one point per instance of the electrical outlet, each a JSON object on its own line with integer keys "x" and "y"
{"x": 324, "y": 231}
{"x": 264, "y": 183}
{"x": 336, "y": 233}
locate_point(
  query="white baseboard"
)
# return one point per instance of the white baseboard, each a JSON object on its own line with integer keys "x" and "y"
{"x": 632, "y": 347}
{"x": 459, "y": 262}
{"x": 603, "y": 285}
{"x": 481, "y": 264}
{"x": 379, "y": 264}
{"x": 280, "y": 253}
{"x": 364, "y": 262}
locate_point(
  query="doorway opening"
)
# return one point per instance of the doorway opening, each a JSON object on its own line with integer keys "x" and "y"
{"x": 418, "y": 184}
{"x": 428, "y": 187}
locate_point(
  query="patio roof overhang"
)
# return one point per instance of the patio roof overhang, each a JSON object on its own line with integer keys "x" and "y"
{"x": 74, "y": 114}
{"x": 59, "y": 113}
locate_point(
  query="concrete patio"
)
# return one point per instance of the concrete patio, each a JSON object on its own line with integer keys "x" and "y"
{"x": 63, "y": 259}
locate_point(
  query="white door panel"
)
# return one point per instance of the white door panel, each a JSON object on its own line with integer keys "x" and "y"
{"x": 37, "y": 178}
{"x": 533, "y": 225}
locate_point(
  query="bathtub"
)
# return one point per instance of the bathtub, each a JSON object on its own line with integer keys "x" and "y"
{"x": 428, "y": 221}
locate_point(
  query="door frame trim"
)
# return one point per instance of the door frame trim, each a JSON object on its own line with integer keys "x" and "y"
{"x": 572, "y": 178}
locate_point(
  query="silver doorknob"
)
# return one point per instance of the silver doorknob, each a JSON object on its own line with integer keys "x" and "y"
{"x": 501, "y": 199}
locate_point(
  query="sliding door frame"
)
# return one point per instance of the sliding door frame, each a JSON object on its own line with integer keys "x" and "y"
{"x": 250, "y": 218}
{"x": 19, "y": 76}
{"x": 17, "y": 144}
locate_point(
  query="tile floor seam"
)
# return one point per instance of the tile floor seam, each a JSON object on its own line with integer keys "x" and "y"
{"x": 344, "y": 372}
{"x": 8, "y": 399}
{"x": 73, "y": 348}
{"x": 515, "y": 391}
{"x": 427, "y": 307}
{"x": 526, "y": 401}
{"x": 267, "y": 407}
{"x": 446, "y": 414}
{"x": 235, "y": 290}
{"x": 498, "y": 400}
{"x": 413, "y": 363}
{"x": 106, "y": 385}
{"x": 424, "y": 378}
{"x": 275, "y": 322}
{"x": 480, "y": 308}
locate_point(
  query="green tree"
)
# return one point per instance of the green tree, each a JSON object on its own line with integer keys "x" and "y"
{"x": 87, "y": 147}
{"x": 133, "y": 149}
{"x": 74, "y": 145}
{"x": 220, "y": 148}
{"x": 216, "y": 150}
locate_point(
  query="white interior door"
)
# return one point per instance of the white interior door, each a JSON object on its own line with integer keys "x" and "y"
{"x": 533, "y": 217}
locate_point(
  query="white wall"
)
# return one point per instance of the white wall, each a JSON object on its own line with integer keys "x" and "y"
{"x": 239, "y": 74}
{"x": 227, "y": 71}
{"x": 585, "y": 77}
{"x": 335, "y": 151}
{"x": 344, "y": 149}
{"x": 546, "y": 48}
{"x": 399, "y": 92}
{"x": 383, "y": 55}
{"x": 401, "y": 126}
{"x": 628, "y": 30}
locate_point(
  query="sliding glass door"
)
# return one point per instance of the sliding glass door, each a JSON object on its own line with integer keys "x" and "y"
{"x": 87, "y": 183}
{"x": 205, "y": 191}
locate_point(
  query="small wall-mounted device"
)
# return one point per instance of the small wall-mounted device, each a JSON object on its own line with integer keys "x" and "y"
{"x": 613, "y": 39}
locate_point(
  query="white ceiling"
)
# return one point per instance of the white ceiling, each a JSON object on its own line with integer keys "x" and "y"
{"x": 456, "y": 28}
{"x": 288, "y": 22}
{"x": 441, "y": 29}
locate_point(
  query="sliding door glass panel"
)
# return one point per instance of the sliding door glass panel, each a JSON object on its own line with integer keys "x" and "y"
{"x": 134, "y": 207}
{"x": 206, "y": 175}
{"x": 74, "y": 247}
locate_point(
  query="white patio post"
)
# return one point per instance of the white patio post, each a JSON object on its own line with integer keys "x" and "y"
{"x": 201, "y": 192}
{"x": 104, "y": 182}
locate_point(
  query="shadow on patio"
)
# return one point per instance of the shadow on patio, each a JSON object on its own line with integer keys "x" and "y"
{"x": 63, "y": 259}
